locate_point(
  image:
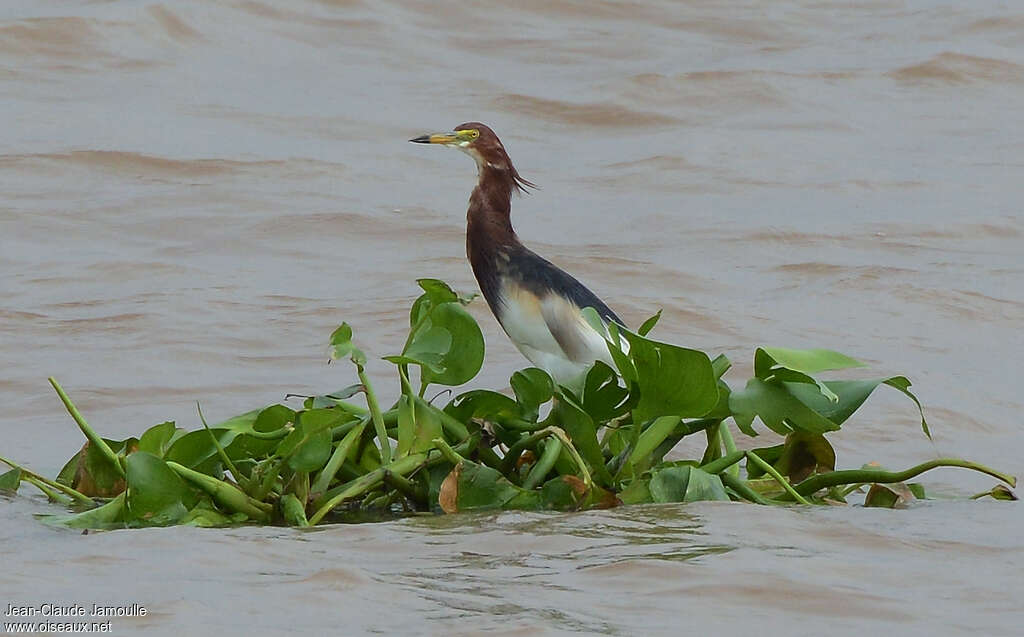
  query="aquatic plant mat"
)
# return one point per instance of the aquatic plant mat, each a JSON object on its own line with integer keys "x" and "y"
{"x": 602, "y": 443}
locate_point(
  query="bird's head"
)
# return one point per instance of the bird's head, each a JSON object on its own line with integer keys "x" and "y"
{"x": 479, "y": 142}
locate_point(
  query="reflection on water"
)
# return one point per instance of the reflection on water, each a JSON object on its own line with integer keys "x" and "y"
{"x": 195, "y": 194}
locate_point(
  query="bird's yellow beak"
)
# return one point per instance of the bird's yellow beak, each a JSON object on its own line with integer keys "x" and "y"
{"x": 453, "y": 138}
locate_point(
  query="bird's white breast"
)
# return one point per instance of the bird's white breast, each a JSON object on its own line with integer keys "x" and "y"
{"x": 551, "y": 332}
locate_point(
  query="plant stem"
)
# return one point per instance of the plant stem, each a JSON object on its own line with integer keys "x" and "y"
{"x": 770, "y": 470}
{"x": 81, "y": 497}
{"x": 730, "y": 446}
{"x": 375, "y": 414}
{"x": 368, "y": 482}
{"x": 52, "y": 494}
{"x": 94, "y": 438}
{"x": 719, "y": 465}
{"x": 851, "y": 476}
{"x": 225, "y": 494}
{"x": 323, "y": 480}
{"x": 239, "y": 478}
{"x": 552, "y": 449}
{"x": 740, "y": 486}
{"x": 450, "y": 454}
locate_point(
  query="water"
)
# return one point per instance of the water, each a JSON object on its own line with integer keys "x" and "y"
{"x": 196, "y": 193}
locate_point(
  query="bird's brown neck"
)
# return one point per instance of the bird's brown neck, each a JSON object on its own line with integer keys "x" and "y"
{"x": 489, "y": 233}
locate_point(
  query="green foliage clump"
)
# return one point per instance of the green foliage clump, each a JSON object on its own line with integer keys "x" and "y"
{"x": 602, "y": 443}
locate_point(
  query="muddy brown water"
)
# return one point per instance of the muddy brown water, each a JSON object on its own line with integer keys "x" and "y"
{"x": 194, "y": 194}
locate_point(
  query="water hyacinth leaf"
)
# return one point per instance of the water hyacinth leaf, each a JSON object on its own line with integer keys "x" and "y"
{"x": 157, "y": 439}
{"x": 196, "y": 450}
{"x": 308, "y": 446}
{"x": 777, "y": 408}
{"x": 798, "y": 365}
{"x": 10, "y": 481}
{"x": 533, "y": 387}
{"x": 648, "y": 325}
{"x": 603, "y": 398}
{"x": 156, "y": 495}
{"x": 583, "y": 433}
{"x": 806, "y": 361}
{"x": 610, "y": 333}
{"x": 473, "y": 487}
{"x": 406, "y": 425}
{"x": 704, "y": 486}
{"x": 770, "y": 455}
{"x": 804, "y": 454}
{"x": 204, "y": 515}
{"x": 435, "y": 292}
{"x": 94, "y": 474}
{"x": 419, "y": 423}
{"x": 684, "y": 483}
{"x": 669, "y": 484}
{"x": 341, "y": 342}
{"x": 673, "y": 381}
{"x": 244, "y": 422}
{"x": 851, "y": 395}
{"x": 110, "y": 515}
{"x": 888, "y": 496}
{"x": 268, "y": 419}
{"x": 483, "y": 404}
{"x": 464, "y": 357}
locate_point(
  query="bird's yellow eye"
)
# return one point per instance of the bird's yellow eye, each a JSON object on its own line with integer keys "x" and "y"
{"x": 468, "y": 135}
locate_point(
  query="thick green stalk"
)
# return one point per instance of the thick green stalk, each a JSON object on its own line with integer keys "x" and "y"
{"x": 94, "y": 438}
{"x": 225, "y": 494}
{"x": 851, "y": 476}
{"x": 512, "y": 456}
{"x": 770, "y": 470}
{"x": 375, "y": 414}
{"x": 742, "y": 489}
{"x": 552, "y": 449}
{"x": 323, "y": 480}
{"x": 52, "y": 494}
{"x": 239, "y": 478}
{"x": 368, "y": 482}
{"x": 729, "y": 444}
{"x": 719, "y": 465}
{"x": 81, "y": 497}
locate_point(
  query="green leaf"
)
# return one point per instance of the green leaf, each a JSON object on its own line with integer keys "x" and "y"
{"x": 533, "y": 387}
{"x": 777, "y": 408}
{"x": 308, "y": 446}
{"x": 341, "y": 342}
{"x": 808, "y": 361}
{"x": 195, "y": 450}
{"x": 649, "y": 324}
{"x": 804, "y": 454}
{"x": 650, "y": 438}
{"x": 471, "y": 486}
{"x": 683, "y": 483}
{"x": 156, "y": 496}
{"x": 419, "y": 423}
{"x": 484, "y": 404}
{"x": 673, "y": 381}
{"x": 704, "y": 486}
{"x": 157, "y": 439}
{"x": 583, "y": 433}
{"x": 603, "y": 398}
{"x": 669, "y": 484}
{"x": 797, "y": 365}
{"x": 10, "y": 481}
{"x": 464, "y": 356}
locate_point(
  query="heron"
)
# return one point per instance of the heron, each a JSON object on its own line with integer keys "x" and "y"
{"x": 538, "y": 305}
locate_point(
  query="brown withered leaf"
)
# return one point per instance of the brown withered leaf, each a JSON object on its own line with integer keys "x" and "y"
{"x": 448, "y": 496}
{"x": 888, "y": 496}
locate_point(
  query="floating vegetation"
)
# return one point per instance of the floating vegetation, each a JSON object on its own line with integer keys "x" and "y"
{"x": 603, "y": 444}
